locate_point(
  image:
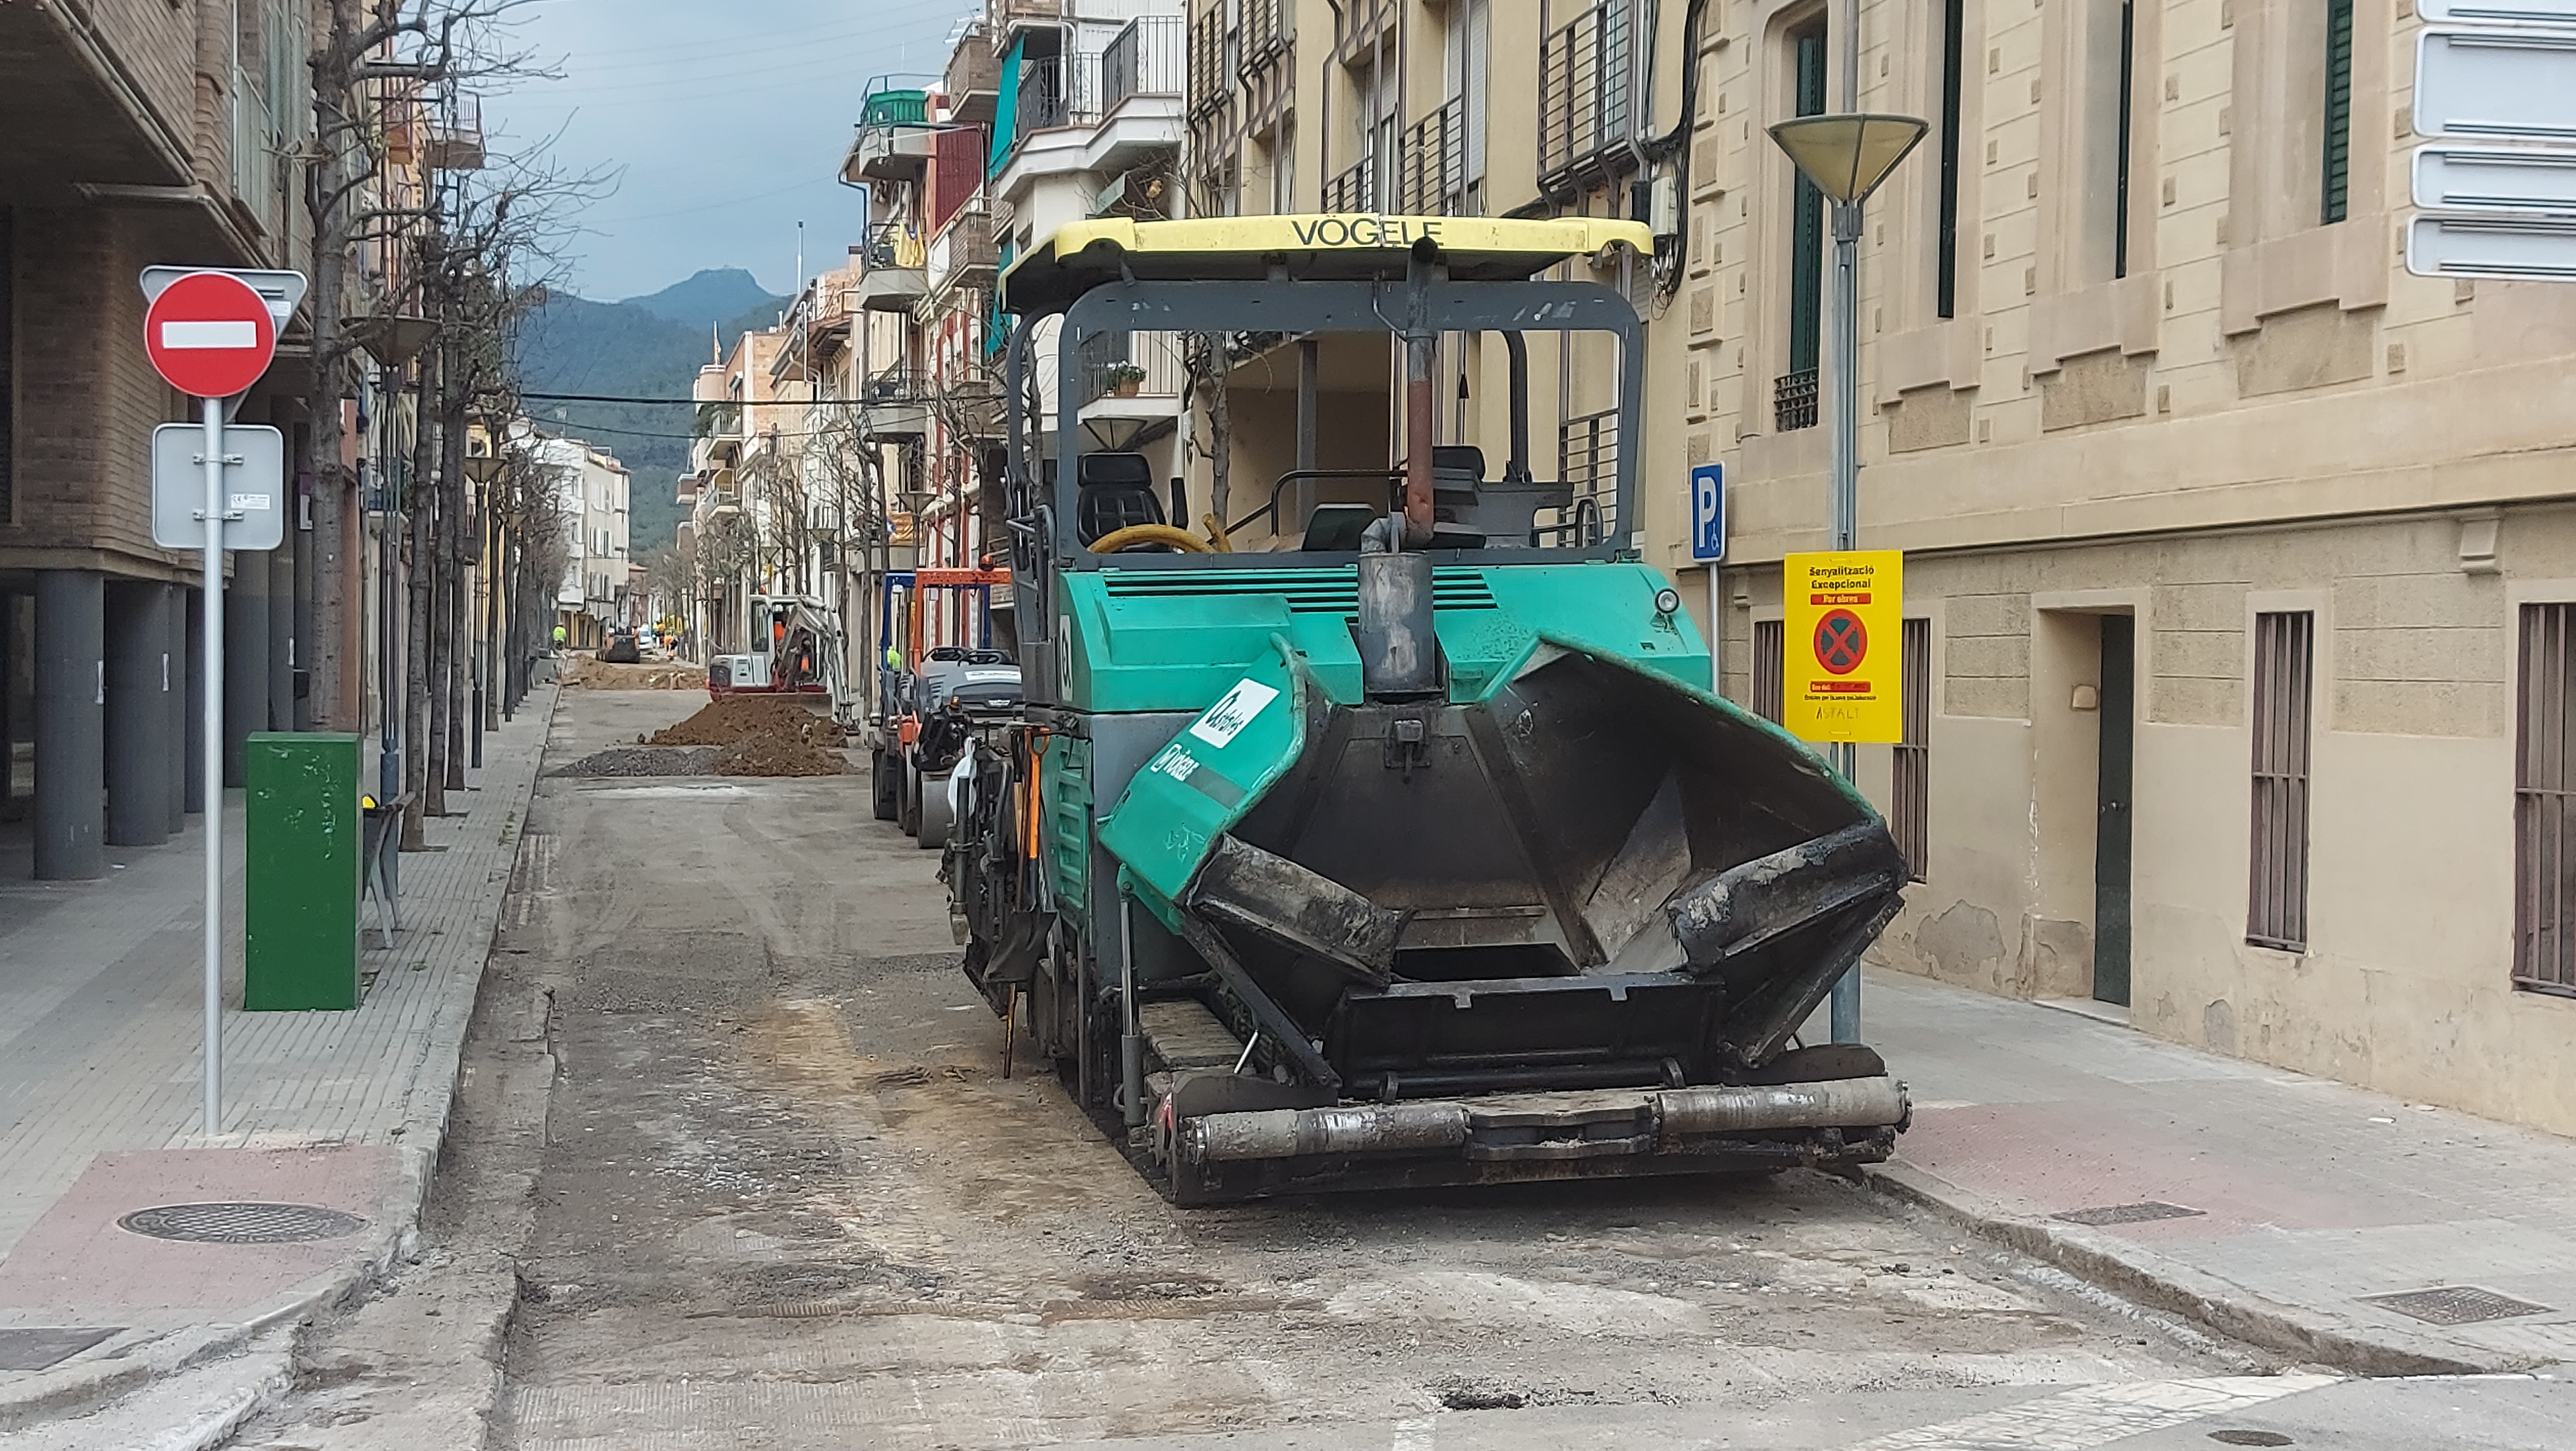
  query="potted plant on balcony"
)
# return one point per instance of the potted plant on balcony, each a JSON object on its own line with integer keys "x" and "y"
{"x": 1125, "y": 379}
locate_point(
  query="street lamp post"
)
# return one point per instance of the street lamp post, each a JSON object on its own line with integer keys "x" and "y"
{"x": 1847, "y": 156}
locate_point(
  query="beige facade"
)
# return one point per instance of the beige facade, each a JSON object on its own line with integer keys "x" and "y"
{"x": 2186, "y": 403}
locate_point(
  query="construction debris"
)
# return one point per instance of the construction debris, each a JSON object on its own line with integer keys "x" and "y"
{"x": 759, "y": 735}
{"x": 589, "y": 672}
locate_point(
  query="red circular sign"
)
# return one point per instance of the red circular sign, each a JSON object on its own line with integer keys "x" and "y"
{"x": 210, "y": 334}
{"x": 1842, "y": 642}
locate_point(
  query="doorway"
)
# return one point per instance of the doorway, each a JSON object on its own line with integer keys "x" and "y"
{"x": 2113, "y": 779}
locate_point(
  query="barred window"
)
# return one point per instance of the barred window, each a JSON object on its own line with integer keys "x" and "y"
{"x": 1911, "y": 812}
{"x": 2284, "y": 681}
{"x": 1769, "y": 641}
{"x": 2544, "y": 803}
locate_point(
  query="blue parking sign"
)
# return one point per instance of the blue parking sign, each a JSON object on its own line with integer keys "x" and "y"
{"x": 1708, "y": 512}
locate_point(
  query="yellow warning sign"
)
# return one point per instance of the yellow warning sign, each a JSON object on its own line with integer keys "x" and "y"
{"x": 1842, "y": 672}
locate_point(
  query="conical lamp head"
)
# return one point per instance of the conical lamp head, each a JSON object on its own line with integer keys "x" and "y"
{"x": 1848, "y": 156}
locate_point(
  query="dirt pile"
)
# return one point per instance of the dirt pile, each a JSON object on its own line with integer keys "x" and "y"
{"x": 589, "y": 672}
{"x": 762, "y": 735}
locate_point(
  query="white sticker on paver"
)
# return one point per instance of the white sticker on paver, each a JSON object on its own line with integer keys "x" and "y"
{"x": 1226, "y": 719}
{"x": 2098, "y": 1415}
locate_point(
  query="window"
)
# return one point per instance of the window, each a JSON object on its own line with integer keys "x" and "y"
{"x": 2284, "y": 677}
{"x": 2544, "y": 803}
{"x": 2336, "y": 189}
{"x": 1954, "y": 16}
{"x": 1911, "y": 817}
{"x": 1794, "y": 395}
{"x": 1769, "y": 665}
{"x": 2103, "y": 102}
{"x": 1466, "y": 58}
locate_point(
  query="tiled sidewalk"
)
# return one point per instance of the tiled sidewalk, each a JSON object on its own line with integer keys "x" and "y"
{"x": 99, "y": 1091}
{"x": 2288, "y": 1204}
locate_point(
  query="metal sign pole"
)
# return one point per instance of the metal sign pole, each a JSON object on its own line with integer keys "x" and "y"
{"x": 213, "y": 646}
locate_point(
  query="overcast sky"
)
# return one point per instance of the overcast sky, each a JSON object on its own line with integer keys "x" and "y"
{"x": 727, "y": 120}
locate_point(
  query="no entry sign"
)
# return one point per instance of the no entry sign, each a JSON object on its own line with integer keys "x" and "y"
{"x": 1843, "y": 617}
{"x": 210, "y": 334}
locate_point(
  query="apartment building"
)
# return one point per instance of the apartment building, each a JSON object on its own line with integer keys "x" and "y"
{"x": 2240, "y": 567}
{"x": 140, "y": 132}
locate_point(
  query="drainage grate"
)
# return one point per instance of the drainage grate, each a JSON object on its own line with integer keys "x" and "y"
{"x": 2143, "y": 1212}
{"x": 242, "y": 1223}
{"x": 2455, "y": 1305}
{"x": 33, "y": 1350}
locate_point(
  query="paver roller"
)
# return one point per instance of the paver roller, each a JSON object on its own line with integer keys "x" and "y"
{"x": 1388, "y": 835}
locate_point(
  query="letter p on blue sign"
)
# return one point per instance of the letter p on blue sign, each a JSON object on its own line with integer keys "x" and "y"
{"x": 1708, "y": 512}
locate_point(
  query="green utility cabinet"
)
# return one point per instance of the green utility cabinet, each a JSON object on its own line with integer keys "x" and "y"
{"x": 302, "y": 830}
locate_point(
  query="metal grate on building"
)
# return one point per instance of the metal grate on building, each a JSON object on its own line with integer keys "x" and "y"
{"x": 1911, "y": 814}
{"x": 2544, "y": 803}
{"x": 1770, "y": 640}
{"x": 2276, "y": 912}
{"x": 1793, "y": 401}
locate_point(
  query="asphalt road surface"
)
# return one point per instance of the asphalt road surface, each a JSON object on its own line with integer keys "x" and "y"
{"x": 735, "y": 1166}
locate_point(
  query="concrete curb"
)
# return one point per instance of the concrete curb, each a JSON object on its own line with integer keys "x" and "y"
{"x": 86, "y": 1389}
{"x": 2312, "y": 1334}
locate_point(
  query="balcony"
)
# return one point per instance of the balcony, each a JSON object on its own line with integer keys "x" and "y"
{"x": 1057, "y": 92}
{"x": 963, "y": 254}
{"x": 897, "y": 404}
{"x": 1583, "y": 95}
{"x": 1355, "y": 189}
{"x": 892, "y": 279}
{"x": 1136, "y": 377}
{"x": 455, "y": 138}
{"x": 1145, "y": 59}
{"x": 1434, "y": 169}
{"x": 893, "y": 142}
{"x": 1267, "y": 29}
{"x": 973, "y": 83}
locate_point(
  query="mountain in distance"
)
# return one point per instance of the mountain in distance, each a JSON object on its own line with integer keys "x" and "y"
{"x": 715, "y": 296}
{"x": 643, "y": 347}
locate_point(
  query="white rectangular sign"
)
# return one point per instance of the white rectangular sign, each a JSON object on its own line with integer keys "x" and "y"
{"x": 180, "y": 336}
{"x": 2496, "y": 85}
{"x": 254, "y": 488}
{"x": 2496, "y": 12}
{"x": 2495, "y": 178}
{"x": 2513, "y": 248}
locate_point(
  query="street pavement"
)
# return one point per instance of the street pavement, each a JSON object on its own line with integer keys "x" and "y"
{"x": 100, "y": 1020}
{"x": 2287, "y": 1204}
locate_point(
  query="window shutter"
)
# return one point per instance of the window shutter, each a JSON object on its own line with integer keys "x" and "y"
{"x": 2337, "y": 179}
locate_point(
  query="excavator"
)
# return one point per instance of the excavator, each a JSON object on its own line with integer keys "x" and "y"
{"x": 1390, "y": 835}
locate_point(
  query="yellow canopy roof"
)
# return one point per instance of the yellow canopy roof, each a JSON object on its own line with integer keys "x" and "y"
{"x": 1331, "y": 247}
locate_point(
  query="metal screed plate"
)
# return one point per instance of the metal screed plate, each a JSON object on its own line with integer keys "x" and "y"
{"x": 238, "y": 1223}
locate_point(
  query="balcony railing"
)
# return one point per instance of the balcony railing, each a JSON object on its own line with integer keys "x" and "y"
{"x": 890, "y": 244}
{"x": 1587, "y": 459}
{"x": 1354, "y": 189}
{"x": 963, "y": 247}
{"x": 1793, "y": 400}
{"x": 895, "y": 108}
{"x": 1147, "y": 58}
{"x": 1435, "y": 163}
{"x": 1583, "y": 92}
{"x": 1064, "y": 91}
{"x": 1151, "y": 362}
{"x": 897, "y": 383}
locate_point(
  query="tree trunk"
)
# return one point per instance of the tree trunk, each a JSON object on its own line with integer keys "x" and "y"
{"x": 451, "y": 634}
{"x": 421, "y": 502}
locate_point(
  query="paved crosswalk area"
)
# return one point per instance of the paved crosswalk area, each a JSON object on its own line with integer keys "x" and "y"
{"x": 100, "y": 1025}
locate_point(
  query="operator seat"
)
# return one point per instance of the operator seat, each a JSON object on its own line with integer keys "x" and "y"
{"x": 1116, "y": 490}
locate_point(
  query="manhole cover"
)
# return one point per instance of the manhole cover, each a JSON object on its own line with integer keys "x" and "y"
{"x": 2232, "y": 1437}
{"x": 242, "y": 1223}
{"x": 2142, "y": 1212}
{"x": 34, "y": 1350}
{"x": 2455, "y": 1305}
